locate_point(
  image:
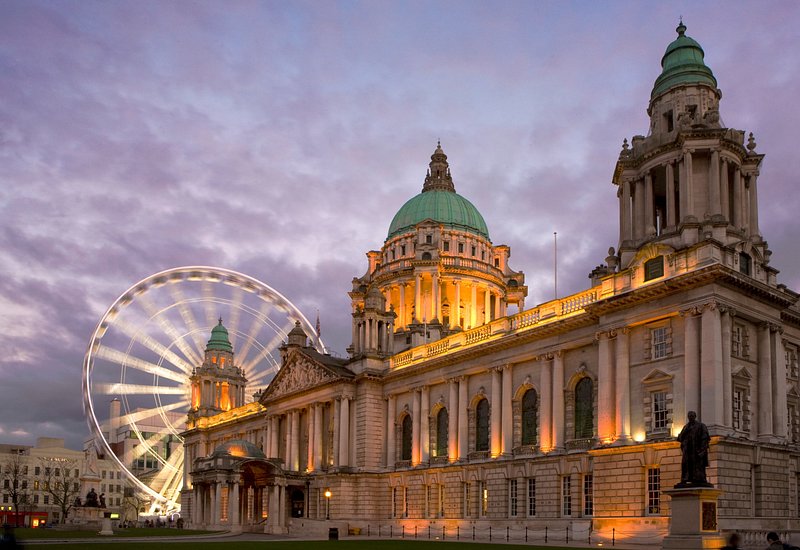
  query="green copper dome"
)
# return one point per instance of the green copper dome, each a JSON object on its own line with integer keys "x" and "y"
{"x": 683, "y": 63}
{"x": 219, "y": 339}
{"x": 445, "y": 207}
{"x": 439, "y": 202}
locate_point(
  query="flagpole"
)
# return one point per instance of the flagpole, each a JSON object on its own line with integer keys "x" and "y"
{"x": 555, "y": 265}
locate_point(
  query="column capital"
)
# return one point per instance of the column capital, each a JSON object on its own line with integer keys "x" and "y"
{"x": 711, "y": 305}
{"x": 690, "y": 311}
{"x": 727, "y": 310}
{"x": 544, "y": 357}
{"x": 605, "y": 334}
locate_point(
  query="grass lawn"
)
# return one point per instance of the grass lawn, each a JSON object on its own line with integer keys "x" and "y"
{"x": 28, "y": 534}
{"x": 295, "y": 545}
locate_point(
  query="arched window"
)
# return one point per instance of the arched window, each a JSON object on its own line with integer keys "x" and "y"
{"x": 405, "y": 447}
{"x": 426, "y": 255}
{"x": 482, "y": 426}
{"x": 529, "y": 417}
{"x": 584, "y": 409}
{"x": 442, "y": 422}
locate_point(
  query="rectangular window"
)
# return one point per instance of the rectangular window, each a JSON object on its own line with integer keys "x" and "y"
{"x": 659, "y": 411}
{"x": 473, "y": 250}
{"x": 654, "y": 268}
{"x": 512, "y": 498}
{"x": 446, "y": 246}
{"x": 430, "y": 505}
{"x": 35, "y": 484}
{"x": 566, "y": 496}
{"x": 744, "y": 263}
{"x": 5, "y": 499}
{"x": 531, "y": 497}
{"x": 736, "y": 340}
{"x": 484, "y": 496}
{"x": 58, "y": 471}
{"x": 37, "y": 470}
{"x": 588, "y": 495}
{"x": 467, "y": 500}
{"x": 658, "y": 340}
{"x": 47, "y": 499}
{"x": 6, "y": 484}
{"x": 394, "y": 502}
{"x": 402, "y": 250}
{"x": 653, "y": 491}
{"x": 428, "y": 239}
{"x": 24, "y": 470}
{"x": 441, "y": 500}
{"x": 103, "y": 488}
{"x": 35, "y": 499}
{"x": 738, "y": 396}
{"x": 24, "y": 484}
{"x": 460, "y": 248}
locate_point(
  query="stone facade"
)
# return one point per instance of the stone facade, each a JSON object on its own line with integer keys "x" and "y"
{"x": 686, "y": 315}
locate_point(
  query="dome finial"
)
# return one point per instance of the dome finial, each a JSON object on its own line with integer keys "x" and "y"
{"x": 220, "y": 319}
{"x": 681, "y": 29}
{"x": 438, "y": 177}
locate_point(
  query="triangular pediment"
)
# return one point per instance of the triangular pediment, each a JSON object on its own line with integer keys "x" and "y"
{"x": 299, "y": 372}
{"x": 742, "y": 373}
{"x": 655, "y": 376}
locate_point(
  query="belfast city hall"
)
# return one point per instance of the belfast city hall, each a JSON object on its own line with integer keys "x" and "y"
{"x": 461, "y": 405}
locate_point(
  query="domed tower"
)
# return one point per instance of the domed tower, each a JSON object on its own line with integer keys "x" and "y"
{"x": 218, "y": 384}
{"x": 690, "y": 179}
{"x": 437, "y": 272}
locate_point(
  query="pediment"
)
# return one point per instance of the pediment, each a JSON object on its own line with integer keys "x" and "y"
{"x": 299, "y": 372}
{"x": 656, "y": 375}
{"x": 650, "y": 251}
{"x": 742, "y": 373}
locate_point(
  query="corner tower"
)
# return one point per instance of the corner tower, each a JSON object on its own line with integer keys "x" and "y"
{"x": 218, "y": 384}
{"x": 437, "y": 272}
{"x": 690, "y": 179}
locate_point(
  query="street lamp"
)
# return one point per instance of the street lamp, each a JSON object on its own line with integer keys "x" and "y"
{"x": 328, "y": 503}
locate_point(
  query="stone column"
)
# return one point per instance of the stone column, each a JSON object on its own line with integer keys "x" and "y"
{"x": 463, "y": 425}
{"x": 498, "y": 306}
{"x": 403, "y": 320}
{"x": 344, "y": 435}
{"x": 318, "y": 434}
{"x": 711, "y": 366}
{"x": 754, "y": 230}
{"x": 625, "y": 211}
{"x": 452, "y": 421}
{"x": 296, "y": 441}
{"x": 779, "y": 411}
{"x": 558, "y": 400}
{"x": 274, "y": 435}
{"x": 311, "y": 438}
{"x": 671, "y": 218}
{"x": 496, "y": 412}
{"x": 546, "y": 405}
{"x": 623, "y": 385}
{"x": 436, "y": 299}
{"x": 649, "y": 205}
{"x": 508, "y": 417}
{"x": 455, "y": 308}
{"x": 724, "y": 190}
{"x": 217, "y": 503}
{"x": 424, "y": 428}
{"x": 235, "y": 506}
{"x": 487, "y": 306}
{"x": 727, "y": 314}
{"x": 390, "y": 337}
{"x": 765, "y": 410}
{"x": 638, "y": 210}
{"x": 715, "y": 202}
{"x": 415, "y": 426}
{"x": 691, "y": 359}
{"x": 738, "y": 198}
{"x": 337, "y": 413}
{"x": 418, "y": 298}
{"x": 391, "y": 457}
{"x": 195, "y": 504}
{"x": 682, "y": 189}
{"x": 606, "y": 423}
{"x": 687, "y": 162}
{"x": 473, "y": 308}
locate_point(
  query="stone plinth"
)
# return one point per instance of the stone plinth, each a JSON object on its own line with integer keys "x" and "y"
{"x": 694, "y": 524}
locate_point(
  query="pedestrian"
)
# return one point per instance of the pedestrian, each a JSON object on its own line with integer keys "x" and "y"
{"x": 775, "y": 543}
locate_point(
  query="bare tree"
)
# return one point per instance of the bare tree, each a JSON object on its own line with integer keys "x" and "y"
{"x": 15, "y": 482}
{"x": 58, "y": 483}
{"x": 133, "y": 503}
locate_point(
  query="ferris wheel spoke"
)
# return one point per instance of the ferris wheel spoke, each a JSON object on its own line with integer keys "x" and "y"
{"x": 154, "y": 345}
{"x": 169, "y": 329}
{"x": 276, "y": 340}
{"x": 123, "y": 359}
{"x": 255, "y": 328}
{"x": 209, "y": 300}
{"x": 188, "y": 317}
{"x": 138, "y": 416}
{"x": 234, "y": 313}
{"x": 139, "y": 389}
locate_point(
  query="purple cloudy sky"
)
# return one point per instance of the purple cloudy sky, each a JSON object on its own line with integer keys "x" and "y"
{"x": 279, "y": 139}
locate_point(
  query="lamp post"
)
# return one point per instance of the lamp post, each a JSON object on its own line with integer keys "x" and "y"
{"x": 328, "y": 503}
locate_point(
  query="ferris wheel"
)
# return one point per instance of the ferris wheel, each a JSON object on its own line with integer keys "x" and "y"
{"x": 136, "y": 387}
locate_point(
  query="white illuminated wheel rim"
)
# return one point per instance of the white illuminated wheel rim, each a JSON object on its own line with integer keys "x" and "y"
{"x": 145, "y": 347}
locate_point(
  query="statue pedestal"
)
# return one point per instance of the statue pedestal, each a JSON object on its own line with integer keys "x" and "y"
{"x": 693, "y": 523}
{"x": 106, "y": 529}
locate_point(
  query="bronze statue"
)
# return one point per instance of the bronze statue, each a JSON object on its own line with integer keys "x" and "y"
{"x": 694, "y": 440}
{"x": 91, "y": 499}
